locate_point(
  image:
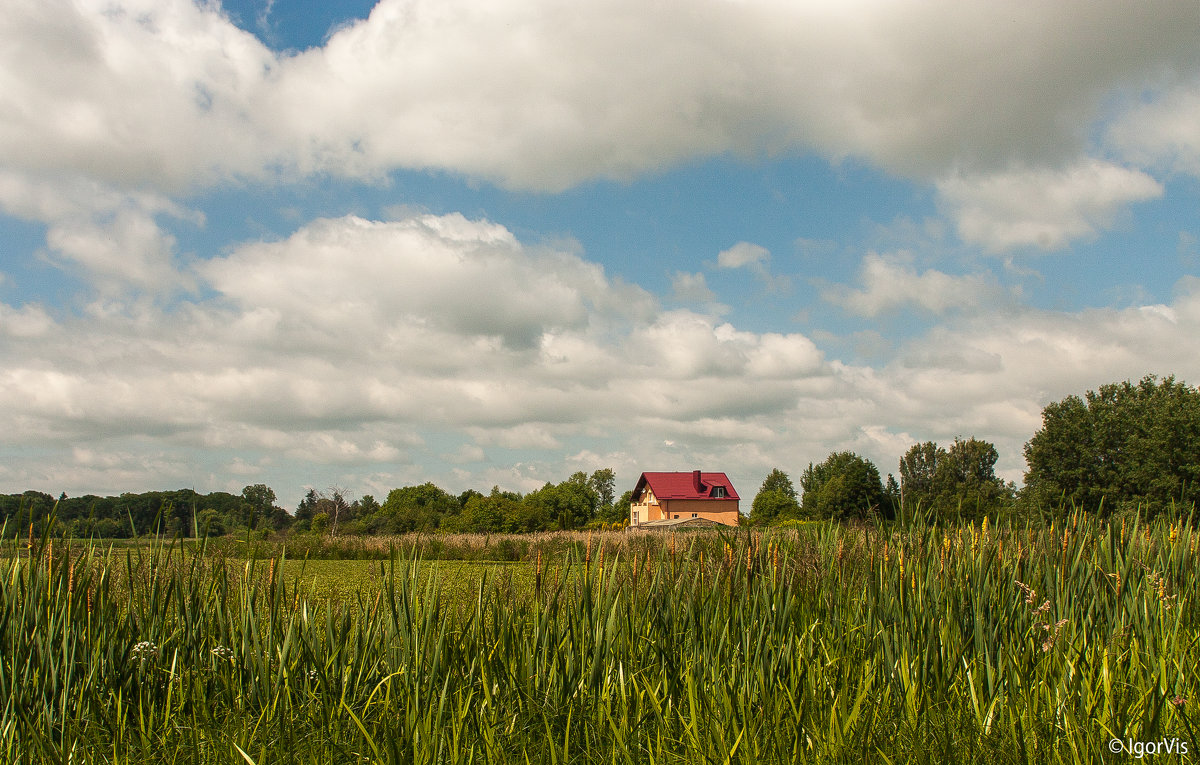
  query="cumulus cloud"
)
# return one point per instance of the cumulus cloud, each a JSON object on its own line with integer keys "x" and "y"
{"x": 1162, "y": 133}
{"x": 142, "y": 394}
{"x": 170, "y": 94}
{"x": 743, "y": 254}
{"x": 890, "y": 283}
{"x": 1038, "y": 207}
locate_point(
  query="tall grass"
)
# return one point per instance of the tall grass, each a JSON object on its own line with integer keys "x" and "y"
{"x": 823, "y": 644}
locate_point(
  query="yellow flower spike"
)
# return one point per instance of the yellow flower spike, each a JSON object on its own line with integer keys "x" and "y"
{"x": 1174, "y": 533}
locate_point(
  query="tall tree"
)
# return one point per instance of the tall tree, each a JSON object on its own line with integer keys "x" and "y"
{"x": 776, "y": 499}
{"x": 959, "y": 482}
{"x": 604, "y": 482}
{"x": 845, "y": 485}
{"x": 257, "y": 503}
{"x": 1121, "y": 447}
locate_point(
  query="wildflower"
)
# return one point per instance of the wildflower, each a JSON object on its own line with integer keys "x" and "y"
{"x": 1178, "y": 701}
{"x": 1053, "y": 631}
{"x": 1030, "y": 593}
{"x": 144, "y": 652}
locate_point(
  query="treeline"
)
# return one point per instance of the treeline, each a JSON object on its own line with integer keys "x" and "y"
{"x": 581, "y": 501}
{"x": 1122, "y": 450}
{"x": 182, "y": 511}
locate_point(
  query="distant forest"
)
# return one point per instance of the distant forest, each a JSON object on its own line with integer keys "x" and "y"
{"x": 582, "y": 501}
{"x": 1125, "y": 449}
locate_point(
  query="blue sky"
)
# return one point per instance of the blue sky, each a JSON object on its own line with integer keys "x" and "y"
{"x": 341, "y": 244}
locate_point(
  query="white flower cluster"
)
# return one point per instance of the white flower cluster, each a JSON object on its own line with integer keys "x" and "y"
{"x": 221, "y": 653}
{"x": 144, "y": 652}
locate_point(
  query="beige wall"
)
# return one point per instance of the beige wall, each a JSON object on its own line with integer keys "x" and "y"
{"x": 719, "y": 510}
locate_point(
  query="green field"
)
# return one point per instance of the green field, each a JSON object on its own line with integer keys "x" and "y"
{"x": 828, "y": 643}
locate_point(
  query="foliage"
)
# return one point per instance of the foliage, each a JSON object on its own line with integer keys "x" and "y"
{"x": 776, "y": 499}
{"x": 955, "y": 484}
{"x": 823, "y": 644}
{"x": 845, "y": 485}
{"x": 1120, "y": 447}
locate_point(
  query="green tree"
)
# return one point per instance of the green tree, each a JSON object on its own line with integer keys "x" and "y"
{"x": 776, "y": 499}
{"x": 845, "y": 485}
{"x": 1121, "y": 447}
{"x": 604, "y": 482}
{"x": 418, "y": 508}
{"x": 918, "y": 470}
{"x": 957, "y": 483}
{"x": 257, "y": 502}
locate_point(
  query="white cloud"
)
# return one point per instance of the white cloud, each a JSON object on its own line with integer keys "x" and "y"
{"x": 743, "y": 254}
{"x": 1162, "y": 133}
{"x": 691, "y": 288}
{"x": 141, "y": 396}
{"x": 891, "y": 283}
{"x": 168, "y": 94}
{"x": 1038, "y": 207}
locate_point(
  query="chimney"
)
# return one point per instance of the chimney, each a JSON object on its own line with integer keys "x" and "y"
{"x": 697, "y": 484}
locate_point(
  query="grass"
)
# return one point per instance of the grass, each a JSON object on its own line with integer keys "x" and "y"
{"x": 821, "y": 644}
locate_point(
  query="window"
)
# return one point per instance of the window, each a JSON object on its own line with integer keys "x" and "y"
{"x": 635, "y": 517}
{"x": 693, "y": 515}
{"x": 718, "y": 492}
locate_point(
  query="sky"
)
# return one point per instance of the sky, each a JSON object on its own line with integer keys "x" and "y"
{"x": 355, "y": 245}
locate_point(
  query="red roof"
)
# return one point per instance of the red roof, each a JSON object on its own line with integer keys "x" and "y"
{"x": 683, "y": 485}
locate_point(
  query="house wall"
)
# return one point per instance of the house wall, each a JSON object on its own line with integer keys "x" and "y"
{"x": 647, "y": 509}
{"x": 720, "y": 510}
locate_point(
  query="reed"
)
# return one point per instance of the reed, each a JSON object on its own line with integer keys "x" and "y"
{"x": 972, "y": 644}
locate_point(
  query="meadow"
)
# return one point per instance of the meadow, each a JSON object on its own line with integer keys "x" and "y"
{"x": 826, "y": 643}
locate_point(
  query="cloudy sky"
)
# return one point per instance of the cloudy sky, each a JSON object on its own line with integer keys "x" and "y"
{"x": 317, "y": 244}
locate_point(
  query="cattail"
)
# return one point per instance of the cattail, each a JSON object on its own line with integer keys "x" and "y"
{"x": 985, "y": 528}
{"x": 1174, "y": 533}
{"x": 749, "y": 562}
{"x": 587, "y": 556}
{"x": 601, "y": 561}
{"x": 537, "y": 576}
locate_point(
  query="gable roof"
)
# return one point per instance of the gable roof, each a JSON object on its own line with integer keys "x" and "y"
{"x": 683, "y": 485}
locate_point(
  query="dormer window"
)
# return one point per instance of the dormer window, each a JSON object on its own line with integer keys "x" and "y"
{"x": 718, "y": 492}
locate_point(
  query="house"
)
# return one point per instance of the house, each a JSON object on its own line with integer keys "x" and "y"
{"x": 667, "y": 499}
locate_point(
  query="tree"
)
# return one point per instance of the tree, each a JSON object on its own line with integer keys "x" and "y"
{"x": 1120, "y": 447}
{"x": 419, "y": 508}
{"x": 918, "y": 467}
{"x": 957, "y": 483}
{"x": 776, "y": 499}
{"x": 603, "y": 482}
{"x": 845, "y": 485}
{"x": 257, "y": 502}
